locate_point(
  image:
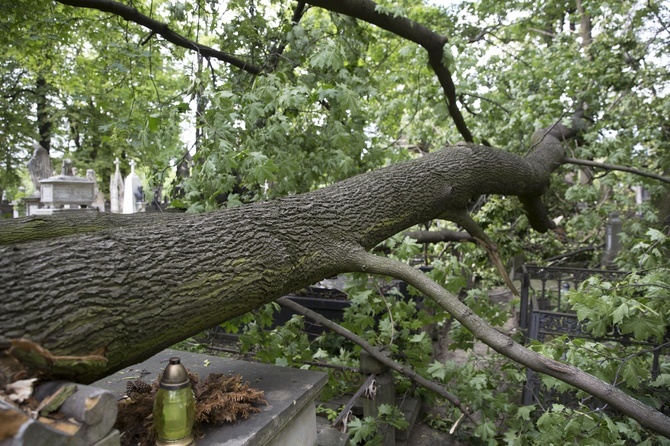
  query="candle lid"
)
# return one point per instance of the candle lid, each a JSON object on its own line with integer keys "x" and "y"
{"x": 175, "y": 376}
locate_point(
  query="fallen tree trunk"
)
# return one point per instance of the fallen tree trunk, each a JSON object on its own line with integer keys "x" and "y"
{"x": 129, "y": 290}
{"x": 125, "y": 291}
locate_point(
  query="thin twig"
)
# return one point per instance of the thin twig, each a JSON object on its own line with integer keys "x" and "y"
{"x": 642, "y": 173}
{"x": 484, "y": 98}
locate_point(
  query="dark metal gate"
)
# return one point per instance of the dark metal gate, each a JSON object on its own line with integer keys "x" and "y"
{"x": 544, "y": 315}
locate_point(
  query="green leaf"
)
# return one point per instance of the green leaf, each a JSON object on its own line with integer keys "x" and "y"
{"x": 485, "y": 430}
{"x": 557, "y": 408}
{"x": 524, "y": 412}
{"x": 329, "y": 56}
{"x": 655, "y": 235}
{"x": 233, "y": 201}
{"x": 154, "y": 122}
{"x": 479, "y": 381}
{"x": 544, "y": 422}
{"x": 386, "y": 326}
{"x": 437, "y": 370}
{"x": 631, "y": 372}
{"x": 418, "y": 337}
{"x": 644, "y": 326}
{"x": 362, "y": 429}
{"x": 620, "y": 313}
{"x": 662, "y": 381}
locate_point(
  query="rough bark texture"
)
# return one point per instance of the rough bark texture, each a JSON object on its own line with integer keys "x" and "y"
{"x": 129, "y": 292}
{"x": 146, "y": 283}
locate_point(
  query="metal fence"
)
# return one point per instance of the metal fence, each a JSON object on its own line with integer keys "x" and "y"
{"x": 544, "y": 314}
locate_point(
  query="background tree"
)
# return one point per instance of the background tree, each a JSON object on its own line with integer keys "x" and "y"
{"x": 86, "y": 88}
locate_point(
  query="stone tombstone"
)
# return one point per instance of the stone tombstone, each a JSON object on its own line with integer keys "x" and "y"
{"x": 133, "y": 195}
{"x": 67, "y": 169}
{"x": 116, "y": 190}
{"x": 65, "y": 191}
{"x": 613, "y": 228}
{"x": 39, "y": 165}
{"x": 6, "y": 209}
{"x": 641, "y": 194}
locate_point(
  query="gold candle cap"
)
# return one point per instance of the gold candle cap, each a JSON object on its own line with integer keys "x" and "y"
{"x": 175, "y": 376}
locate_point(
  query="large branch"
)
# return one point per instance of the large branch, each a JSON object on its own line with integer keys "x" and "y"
{"x": 645, "y": 415}
{"x": 133, "y": 15}
{"x": 550, "y": 154}
{"x": 366, "y": 10}
{"x": 135, "y": 289}
{"x": 439, "y": 235}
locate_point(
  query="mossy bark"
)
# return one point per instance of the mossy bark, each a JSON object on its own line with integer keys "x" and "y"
{"x": 130, "y": 286}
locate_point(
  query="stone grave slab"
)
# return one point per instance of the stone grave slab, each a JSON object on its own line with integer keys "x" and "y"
{"x": 289, "y": 419}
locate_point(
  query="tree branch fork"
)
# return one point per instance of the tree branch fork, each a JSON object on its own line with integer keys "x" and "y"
{"x": 129, "y": 292}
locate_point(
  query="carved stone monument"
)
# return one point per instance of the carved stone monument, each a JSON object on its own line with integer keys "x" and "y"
{"x": 65, "y": 192}
{"x": 133, "y": 195}
{"x": 99, "y": 202}
{"x": 39, "y": 167}
{"x": 116, "y": 190}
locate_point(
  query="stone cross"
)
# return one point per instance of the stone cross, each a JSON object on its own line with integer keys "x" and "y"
{"x": 116, "y": 190}
{"x": 132, "y": 196}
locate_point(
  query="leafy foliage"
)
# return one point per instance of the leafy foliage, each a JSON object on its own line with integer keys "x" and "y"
{"x": 335, "y": 97}
{"x": 367, "y": 430}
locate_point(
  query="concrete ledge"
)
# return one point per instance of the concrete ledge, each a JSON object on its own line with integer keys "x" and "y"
{"x": 289, "y": 419}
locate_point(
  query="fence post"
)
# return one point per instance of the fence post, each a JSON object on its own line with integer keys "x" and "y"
{"x": 384, "y": 393}
{"x": 523, "y": 310}
{"x": 612, "y": 242}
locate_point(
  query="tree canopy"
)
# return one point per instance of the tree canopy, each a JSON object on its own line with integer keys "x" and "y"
{"x": 284, "y": 103}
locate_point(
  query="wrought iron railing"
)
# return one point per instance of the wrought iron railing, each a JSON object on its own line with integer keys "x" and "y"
{"x": 544, "y": 314}
{"x": 544, "y": 298}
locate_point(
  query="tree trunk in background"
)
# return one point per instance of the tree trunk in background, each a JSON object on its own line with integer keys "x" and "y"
{"x": 43, "y": 113}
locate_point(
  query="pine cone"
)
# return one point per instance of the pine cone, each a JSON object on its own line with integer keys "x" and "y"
{"x": 137, "y": 386}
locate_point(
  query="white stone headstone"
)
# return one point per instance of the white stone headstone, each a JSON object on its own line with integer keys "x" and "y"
{"x": 116, "y": 190}
{"x": 132, "y": 195}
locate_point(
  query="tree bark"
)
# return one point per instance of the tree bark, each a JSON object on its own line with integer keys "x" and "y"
{"x": 124, "y": 287}
{"x": 133, "y": 286}
{"x": 43, "y": 113}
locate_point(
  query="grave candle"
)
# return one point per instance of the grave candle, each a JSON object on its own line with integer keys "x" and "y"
{"x": 174, "y": 407}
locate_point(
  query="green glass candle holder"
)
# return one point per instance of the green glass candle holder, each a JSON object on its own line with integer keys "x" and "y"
{"x": 174, "y": 407}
